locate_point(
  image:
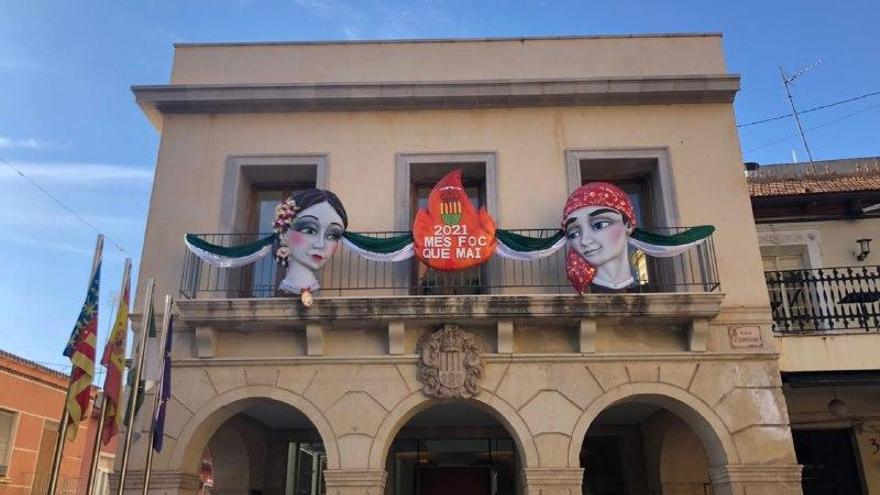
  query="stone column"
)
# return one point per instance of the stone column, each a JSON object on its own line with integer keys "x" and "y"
{"x": 355, "y": 481}
{"x": 161, "y": 482}
{"x": 553, "y": 481}
{"x": 756, "y": 480}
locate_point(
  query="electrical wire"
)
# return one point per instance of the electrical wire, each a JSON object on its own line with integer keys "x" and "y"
{"x": 820, "y": 107}
{"x": 60, "y": 203}
{"x": 825, "y": 124}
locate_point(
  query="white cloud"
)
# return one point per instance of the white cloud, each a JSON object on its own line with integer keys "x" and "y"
{"x": 26, "y": 143}
{"x": 350, "y": 19}
{"x": 382, "y": 20}
{"x": 18, "y": 65}
{"x": 35, "y": 243}
{"x": 78, "y": 173}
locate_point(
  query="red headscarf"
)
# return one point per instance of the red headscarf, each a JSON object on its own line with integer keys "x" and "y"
{"x": 580, "y": 272}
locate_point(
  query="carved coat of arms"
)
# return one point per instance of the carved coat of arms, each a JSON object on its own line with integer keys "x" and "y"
{"x": 450, "y": 363}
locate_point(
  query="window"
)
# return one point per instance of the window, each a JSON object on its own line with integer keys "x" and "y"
{"x": 640, "y": 175}
{"x": 252, "y": 187}
{"x": 44, "y": 457}
{"x": 7, "y": 434}
{"x": 789, "y": 287}
{"x": 265, "y": 275}
{"x": 416, "y": 176}
{"x": 306, "y": 462}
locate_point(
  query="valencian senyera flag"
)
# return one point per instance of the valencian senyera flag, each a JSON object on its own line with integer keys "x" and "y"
{"x": 164, "y": 391}
{"x": 114, "y": 361}
{"x": 81, "y": 351}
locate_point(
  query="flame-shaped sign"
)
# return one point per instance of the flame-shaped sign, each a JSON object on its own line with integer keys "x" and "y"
{"x": 451, "y": 235}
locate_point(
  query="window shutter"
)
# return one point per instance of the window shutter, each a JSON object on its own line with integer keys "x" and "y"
{"x": 6, "y": 423}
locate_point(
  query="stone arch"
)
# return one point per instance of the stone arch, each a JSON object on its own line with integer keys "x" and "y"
{"x": 705, "y": 423}
{"x": 486, "y": 401}
{"x": 199, "y": 428}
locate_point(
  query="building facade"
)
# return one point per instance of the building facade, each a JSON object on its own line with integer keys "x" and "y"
{"x": 672, "y": 386}
{"x": 816, "y": 226}
{"x": 31, "y": 400}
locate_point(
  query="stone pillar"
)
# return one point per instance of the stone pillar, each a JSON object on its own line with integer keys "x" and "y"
{"x": 756, "y": 480}
{"x": 553, "y": 481}
{"x": 355, "y": 481}
{"x": 161, "y": 482}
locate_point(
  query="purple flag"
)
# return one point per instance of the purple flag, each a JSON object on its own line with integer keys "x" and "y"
{"x": 165, "y": 391}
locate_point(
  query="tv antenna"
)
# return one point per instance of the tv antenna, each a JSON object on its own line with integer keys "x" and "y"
{"x": 788, "y": 81}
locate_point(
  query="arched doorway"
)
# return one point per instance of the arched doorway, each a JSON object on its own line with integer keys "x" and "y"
{"x": 453, "y": 448}
{"x": 640, "y": 447}
{"x": 266, "y": 447}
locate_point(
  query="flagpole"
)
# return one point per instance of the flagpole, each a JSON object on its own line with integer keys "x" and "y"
{"x": 166, "y": 320}
{"x": 96, "y": 454}
{"x": 101, "y": 400}
{"x": 129, "y": 413}
{"x": 65, "y": 416}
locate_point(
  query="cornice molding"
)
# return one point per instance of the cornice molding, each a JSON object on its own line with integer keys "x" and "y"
{"x": 288, "y": 313}
{"x": 248, "y": 98}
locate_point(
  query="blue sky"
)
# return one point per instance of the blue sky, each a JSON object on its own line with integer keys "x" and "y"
{"x": 67, "y": 116}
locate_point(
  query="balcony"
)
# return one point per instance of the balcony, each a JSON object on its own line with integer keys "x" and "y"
{"x": 349, "y": 275}
{"x": 825, "y": 299}
{"x": 673, "y": 303}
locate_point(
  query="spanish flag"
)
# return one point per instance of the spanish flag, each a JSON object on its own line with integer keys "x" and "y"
{"x": 114, "y": 361}
{"x": 81, "y": 351}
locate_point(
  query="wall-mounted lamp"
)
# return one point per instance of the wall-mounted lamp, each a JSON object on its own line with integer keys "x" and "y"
{"x": 864, "y": 249}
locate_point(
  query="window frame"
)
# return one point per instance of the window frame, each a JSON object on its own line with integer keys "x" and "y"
{"x": 404, "y": 162}
{"x": 243, "y": 173}
{"x": 664, "y": 207}
{"x": 6, "y": 457}
{"x": 406, "y": 196}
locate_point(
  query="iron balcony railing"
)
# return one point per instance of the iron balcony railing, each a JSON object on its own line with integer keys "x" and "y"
{"x": 347, "y": 274}
{"x": 825, "y": 299}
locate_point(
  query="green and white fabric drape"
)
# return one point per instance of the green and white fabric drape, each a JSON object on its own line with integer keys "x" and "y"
{"x": 398, "y": 248}
{"x": 666, "y": 246}
{"x": 232, "y": 256}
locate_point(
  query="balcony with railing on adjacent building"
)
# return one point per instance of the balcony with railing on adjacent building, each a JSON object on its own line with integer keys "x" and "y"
{"x": 831, "y": 300}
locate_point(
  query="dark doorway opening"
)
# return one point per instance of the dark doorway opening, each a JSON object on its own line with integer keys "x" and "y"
{"x": 829, "y": 460}
{"x": 453, "y": 449}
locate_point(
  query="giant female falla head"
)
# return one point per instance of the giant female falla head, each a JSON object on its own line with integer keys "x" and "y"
{"x": 309, "y": 226}
{"x": 598, "y": 219}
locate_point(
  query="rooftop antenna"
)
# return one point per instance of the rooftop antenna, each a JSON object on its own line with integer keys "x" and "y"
{"x": 786, "y": 82}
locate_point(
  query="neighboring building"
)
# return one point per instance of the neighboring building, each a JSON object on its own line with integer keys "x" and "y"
{"x": 672, "y": 388}
{"x": 819, "y": 231}
{"x": 31, "y": 400}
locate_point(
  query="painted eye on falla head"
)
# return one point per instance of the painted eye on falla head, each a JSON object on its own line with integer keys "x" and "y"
{"x": 602, "y": 224}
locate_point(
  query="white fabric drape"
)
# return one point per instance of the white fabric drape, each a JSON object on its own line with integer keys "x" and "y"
{"x": 506, "y": 252}
{"x": 663, "y": 251}
{"x": 401, "y": 254}
{"x": 224, "y": 261}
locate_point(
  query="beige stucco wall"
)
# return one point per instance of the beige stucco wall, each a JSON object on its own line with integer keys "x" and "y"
{"x": 851, "y": 350}
{"x": 584, "y": 57}
{"x": 833, "y": 241}
{"x": 530, "y": 144}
